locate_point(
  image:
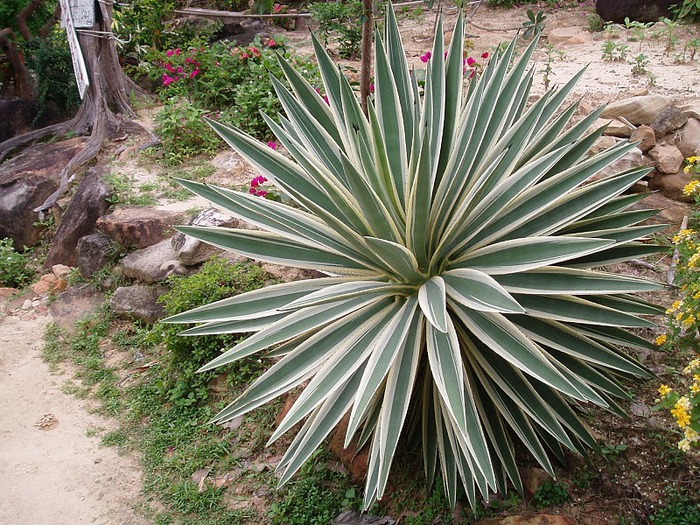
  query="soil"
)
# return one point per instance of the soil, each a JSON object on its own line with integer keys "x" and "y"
{"x": 53, "y": 471}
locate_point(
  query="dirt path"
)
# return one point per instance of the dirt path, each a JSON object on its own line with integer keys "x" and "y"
{"x": 50, "y": 470}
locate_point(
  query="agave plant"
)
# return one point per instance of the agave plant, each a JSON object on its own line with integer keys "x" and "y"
{"x": 459, "y": 311}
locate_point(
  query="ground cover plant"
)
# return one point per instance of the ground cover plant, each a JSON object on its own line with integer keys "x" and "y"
{"x": 460, "y": 312}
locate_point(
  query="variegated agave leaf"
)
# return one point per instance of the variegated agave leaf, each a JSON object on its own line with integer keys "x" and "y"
{"x": 461, "y": 308}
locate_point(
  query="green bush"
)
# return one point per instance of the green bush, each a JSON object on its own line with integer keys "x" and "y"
{"x": 509, "y": 3}
{"x": 15, "y": 269}
{"x": 217, "y": 279}
{"x": 340, "y": 22}
{"x": 201, "y": 80}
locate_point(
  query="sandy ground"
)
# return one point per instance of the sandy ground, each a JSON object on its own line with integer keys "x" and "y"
{"x": 51, "y": 472}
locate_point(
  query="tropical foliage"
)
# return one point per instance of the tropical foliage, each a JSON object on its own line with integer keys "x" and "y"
{"x": 460, "y": 311}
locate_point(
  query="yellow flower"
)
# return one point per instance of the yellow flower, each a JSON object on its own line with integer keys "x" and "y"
{"x": 693, "y": 159}
{"x": 681, "y": 411}
{"x": 688, "y": 321}
{"x": 661, "y": 339}
{"x": 695, "y": 363}
{"x": 665, "y": 390}
{"x": 692, "y": 186}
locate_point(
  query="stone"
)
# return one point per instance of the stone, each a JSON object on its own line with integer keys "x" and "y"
{"x": 645, "y": 136}
{"x": 667, "y": 158}
{"x": 138, "y": 302}
{"x": 135, "y": 227}
{"x": 26, "y": 181}
{"x": 539, "y": 519}
{"x": 49, "y": 283}
{"x": 691, "y": 108}
{"x": 668, "y": 121}
{"x": 533, "y": 478}
{"x": 288, "y": 274}
{"x": 670, "y": 213}
{"x": 602, "y": 143}
{"x": 568, "y": 36}
{"x": 153, "y": 264}
{"x": 61, "y": 270}
{"x": 615, "y": 128}
{"x": 75, "y": 304}
{"x": 671, "y": 185}
{"x": 191, "y": 251}
{"x": 94, "y": 252}
{"x": 688, "y": 139}
{"x": 630, "y": 160}
{"x": 637, "y": 110}
{"x": 639, "y": 10}
{"x": 89, "y": 203}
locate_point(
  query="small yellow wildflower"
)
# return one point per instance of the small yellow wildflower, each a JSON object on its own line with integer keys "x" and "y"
{"x": 684, "y": 445}
{"x": 688, "y": 321}
{"x": 664, "y": 390}
{"x": 661, "y": 339}
{"x": 682, "y": 235}
{"x": 681, "y": 411}
{"x": 694, "y": 159}
{"x": 675, "y": 307}
{"x": 692, "y": 186}
{"x": 695, "y": 363}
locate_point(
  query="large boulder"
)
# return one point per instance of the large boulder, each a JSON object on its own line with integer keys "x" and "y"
{"x": 637, "y": 110}
{"x": 88, "y": 204}
{"x": 135, "y": 227}
{"x": 639, "y": 10}
{"x": 26, "y": 181}
{"x": 153, "y": 264}
{"x": 688, "y": 139}
{"x": 138, "y": 302}
{"x": 94, "y": 252}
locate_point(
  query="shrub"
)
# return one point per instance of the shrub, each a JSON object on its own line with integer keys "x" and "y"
{"x": 15, "y": 270}
{"x": 684, "y": 322}
{"x": 340, "y": 22}
{"x": 460, "y": 308}
{"x": 217, "y": 279}
{"x": 194, "y": 86}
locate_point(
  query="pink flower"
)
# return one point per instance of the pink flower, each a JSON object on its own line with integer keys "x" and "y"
{"x": 426, "y": 56}
{"x": 485, "y": 55}
{"x": 471, "y": 61}
{"x": 262, "y": 193}
{"x": 273, "y": 144}
{"x": 170, "y": 52}
{"x": 252, "y": 190}
{"x": 194, "y": 73}
{"x": 371, "y": 88}
{"x": 167, "y": 80}
{"x": 271, "y": 42}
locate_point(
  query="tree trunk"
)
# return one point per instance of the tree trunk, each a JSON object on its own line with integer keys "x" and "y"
{"x": 366, "y": 57}
{"x": 21, "y": 79}
{"x": 105, "y": 112}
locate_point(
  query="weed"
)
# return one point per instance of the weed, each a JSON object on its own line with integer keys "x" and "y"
{"x": 15, "y": 267}
{"x": 124, "y": 191}
{"x": 640, "y": 64}
{"x": 613, "y": 451}
{"x": 534, "y": 24}
{"x": 614, "y": 52}
{"x": 680, "y": 509}
{"x": 595, "y": 23}
{"x": 550, "y": 493}
{"x": 341, "y": 22}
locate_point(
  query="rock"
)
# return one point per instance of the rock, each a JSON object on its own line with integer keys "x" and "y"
{"x": 354, "y": 460}
{"x": 630, "y": 160}
{"x": 6, "y": 292}
{"x": 75, "y": 304}
{"x": 533, "y": 479}
{"x": 288, "y": 274}
{"x": 671, "y": 185}
{"x": 615, "y": 128}
{"x": 637, "y": 110}
{"x": 353, "y": 517}
{"x": 135, "y": 227}
{"x": 667, "y": 157}
{"x": 639, "y": 10}
{"x": 88, "y": 204}
{"x": 94, "y": 252}
{"x": 152, "y": 264}
{"x": 568, "y": 36}
{"x": 540, "y": 519}
{"x": 645, "y": 136}
{"x": 26, "y": 181}
{"x": 137, "y": 302}
{"x": 691, "y": 108}
{"x": 670, "y": 212}
{"x": 669, "y": 120}
{"x": 191, "y": 251}
{"x": 61, "y": 270}
{"x": 688, "y": 139}
{"x": 49, "y": 283}
{"x": 602, "y": 143}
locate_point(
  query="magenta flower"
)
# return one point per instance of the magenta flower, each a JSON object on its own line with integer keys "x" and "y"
{"x": 272, "y": 144}
{"x": 426, "y": 56}
{"x": 167, "y": 80}
{"x": 471, "y": 61}
{"x": 485, "y": 55}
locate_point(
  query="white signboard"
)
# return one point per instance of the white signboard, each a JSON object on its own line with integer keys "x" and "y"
{"x": 81, "y": 76}
{"x": 82, "y": 12}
